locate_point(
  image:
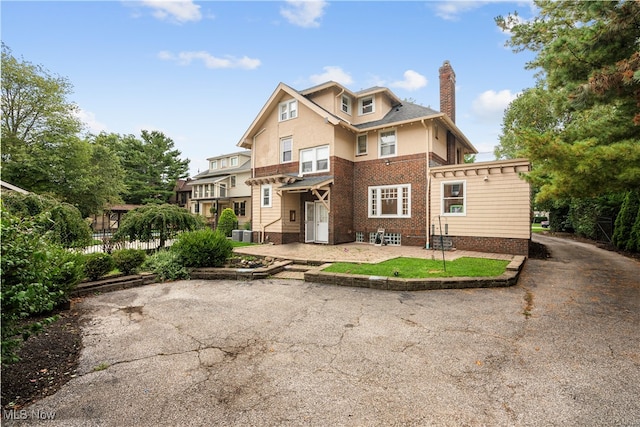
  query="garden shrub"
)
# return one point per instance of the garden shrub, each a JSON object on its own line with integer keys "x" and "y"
{"x": 166, "y": 265}
{"x": 128, "y": 260}
{"x": 97, "y": 265}
{"x": 228, "y": 222}
{"x": 622, "y": 235}
{"x": 203, "y": 248}
{"x": 36, "y": 276}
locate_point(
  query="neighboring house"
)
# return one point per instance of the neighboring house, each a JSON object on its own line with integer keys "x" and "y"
{"x": 223, "y": 186}
{"x": 182, "y": 193}
{"x": 332, "y": 166}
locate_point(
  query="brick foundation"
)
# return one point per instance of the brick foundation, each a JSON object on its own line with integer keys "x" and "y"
{"x": 498, "y": 245}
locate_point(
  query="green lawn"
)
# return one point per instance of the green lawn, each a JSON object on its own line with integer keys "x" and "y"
{"x": 424, "y": 268}
{"x": 239, "y": 244}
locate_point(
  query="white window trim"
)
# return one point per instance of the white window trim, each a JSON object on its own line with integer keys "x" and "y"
{"x": 233, "y": 161}
{"x": 348, "y": 104}
{"x": 233, "y": 181}
{"x": 361, "y": 105}
{"x": 270, "y": 202}
{"x": 463, "y": 183}
{"x": 291, "y": 113}
{"x": 213, "y": 164}
{"x": 315, "y": 159}
{"x": 282, "y": 141}
{"x": 366, "y": 146}
{"x": 379, "y": 214}
{"x": 395, "y": 133}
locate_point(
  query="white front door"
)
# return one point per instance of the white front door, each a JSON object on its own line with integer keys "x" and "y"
{"x": 322, "y": 223}
{"x": 309, "y": 222}
{"x": 316, "y": 223}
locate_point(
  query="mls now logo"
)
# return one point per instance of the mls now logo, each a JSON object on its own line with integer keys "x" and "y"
{"x": 23, "y": 414}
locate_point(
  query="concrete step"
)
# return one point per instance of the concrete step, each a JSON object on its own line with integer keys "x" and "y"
{"x": 295, "y": 275}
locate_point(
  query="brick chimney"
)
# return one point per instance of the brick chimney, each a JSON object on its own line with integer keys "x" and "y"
{"x": 448, "y": 91}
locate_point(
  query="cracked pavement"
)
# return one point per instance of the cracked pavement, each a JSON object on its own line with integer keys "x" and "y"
{"x": 560, "y": 348}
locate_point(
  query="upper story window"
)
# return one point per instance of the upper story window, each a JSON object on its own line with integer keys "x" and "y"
{"x": 366, "y": 105}
{"x": 222, "y": 190}
{"x": 232, "y": 181}
{"x": 288, "y": 110}
{"x": 387, "y": 143}
{"x": 454, "y": 198}
{"x": 233, "y": 161}
{"x": 361, "y": 145}
{"x": 265, "y": 196}
{"x": 314, "y": 159}
{"x": 390, "y": 201}
{"x": 346, "y": 104}
{"x": 286, "y": 147}
{"x": 213, "y": 164}
{"x": 223, "y": 163}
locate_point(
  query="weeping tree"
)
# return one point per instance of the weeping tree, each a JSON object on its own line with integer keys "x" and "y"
{"x": 157, "y": 221}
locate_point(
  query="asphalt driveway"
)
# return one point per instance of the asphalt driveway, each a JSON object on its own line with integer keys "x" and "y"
{"x": 560, "y": 348}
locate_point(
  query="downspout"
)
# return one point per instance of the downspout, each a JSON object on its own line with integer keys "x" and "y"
{"x": 428, "y": 177}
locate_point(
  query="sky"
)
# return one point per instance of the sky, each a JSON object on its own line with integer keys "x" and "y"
{"x": 200, "y": 71}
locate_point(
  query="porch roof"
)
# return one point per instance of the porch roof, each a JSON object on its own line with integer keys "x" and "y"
{"x": 308, "y": 183}
{"x": 211, "y": 180}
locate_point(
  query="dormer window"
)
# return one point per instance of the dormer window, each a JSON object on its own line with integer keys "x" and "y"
{"x": 233, "y": 161}
{"x": 213, "y": 164}
{"x": 346, "y": 104}
{"x": 288, "y": 110}
{"x": 366, "y": 105}
{"x": 223, "y": 163}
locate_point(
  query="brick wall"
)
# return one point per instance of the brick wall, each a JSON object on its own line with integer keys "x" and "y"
{"x": 284, "y": 168}
{"x": 341, "y": 227}
{"x": 401, "y": 170}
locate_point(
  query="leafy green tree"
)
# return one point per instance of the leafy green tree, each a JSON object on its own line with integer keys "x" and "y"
{"x": 41, "y": 147}
{"x": 589, "y": 81}
{"x": 162, "y": 221}
{"x": 152, "y": 165}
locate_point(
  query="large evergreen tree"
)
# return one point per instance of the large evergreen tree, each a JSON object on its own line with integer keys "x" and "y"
{"x": 152, "y": 165}
{"x": 589, "y": 61}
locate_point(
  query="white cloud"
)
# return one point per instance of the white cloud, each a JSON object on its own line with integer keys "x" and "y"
{"x": 90, "y": 121}
{"x": 412, "y": 81}
{"x": 491, "y": 104}
{"x": 210, "y": 61}
{"x": 450, "y": 10}
{"x": 304, "y": 13}
{"x": 336, "y": 74}
{"x": 179, "y": 11}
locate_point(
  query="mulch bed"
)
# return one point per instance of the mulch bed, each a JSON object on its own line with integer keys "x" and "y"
{"x": 48, "y": 361}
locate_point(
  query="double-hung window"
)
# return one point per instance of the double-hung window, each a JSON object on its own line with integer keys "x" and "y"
{"x": 288, "y": 110}
{"x": 222, "y": 190}
{"x": 366, "y": 105}
{"x": 346, "y": 104}
{"x": 265, "y": 195}
{"x": 233, "y": 161}
{"x": 361, "y": 144}
{"x": 213, "y": 164}
{"x": 232, "y": 181}
{"x": 239, "y": 208}
{"x": 387, "y": 144}
{"x": 314, "y": 159}
{"x": 454, "y": 198}
{"x": 390, "y": 201}
{"x": 286, "y": 147}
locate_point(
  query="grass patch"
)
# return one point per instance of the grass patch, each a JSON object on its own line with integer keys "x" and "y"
{"x": 537, "y": 228}
{"x": 419, "y": 268}
{"x": 240, "y": 244}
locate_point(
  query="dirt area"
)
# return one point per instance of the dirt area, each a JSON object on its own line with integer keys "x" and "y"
{"x": 48, "y": 361}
